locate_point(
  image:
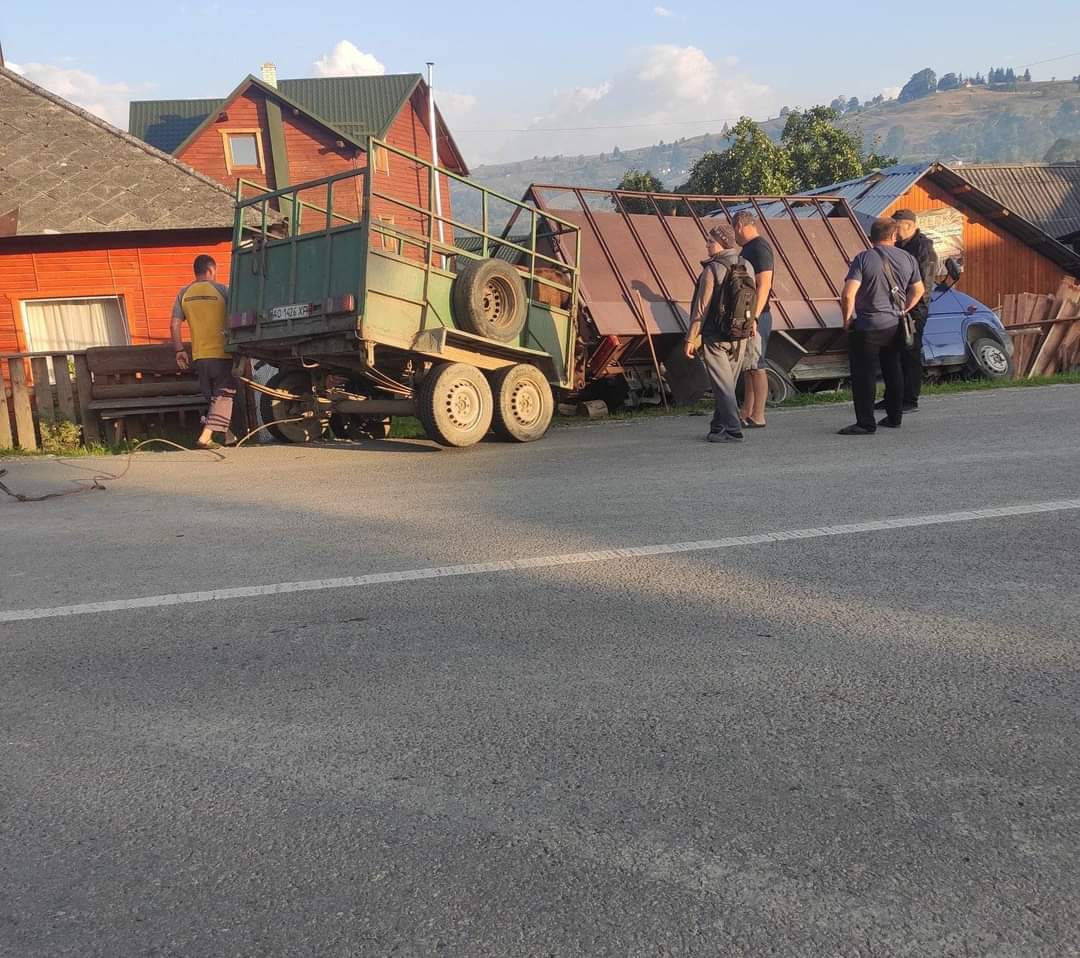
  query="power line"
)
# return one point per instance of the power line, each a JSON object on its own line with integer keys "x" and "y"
{"x": 625, "y": 126}
{"x": 1067, "y": 56}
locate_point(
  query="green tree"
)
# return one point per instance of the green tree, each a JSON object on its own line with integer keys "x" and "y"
{"x": 820, "y": 152}
{"x": 752, "y": 164}
{"x": 949, "y": 82}
{"x": 639, "y": 181}
{"x": 921, "y": 84}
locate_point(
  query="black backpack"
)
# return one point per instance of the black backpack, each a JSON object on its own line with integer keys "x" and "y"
{"x": 735, "y": 304}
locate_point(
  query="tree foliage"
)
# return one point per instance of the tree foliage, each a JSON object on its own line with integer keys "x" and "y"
{"x": 921, "y": 84}
{"x": 1064, "y": 150}
{"x": 639, "y": 181}
{"x": 951, "y": 81}
{"x": 813, "y": 151}
{"x": 752, "y": 164}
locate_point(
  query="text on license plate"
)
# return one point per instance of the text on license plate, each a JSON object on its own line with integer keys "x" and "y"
{"x": 294, "y": 311}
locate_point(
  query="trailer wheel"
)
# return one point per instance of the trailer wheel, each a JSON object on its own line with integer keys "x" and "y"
{"x": 524, "y": 403}
{"x": 358, "y": 428}
{"x": 781, "y": 387}
{"x": 272, "y": 409}
{"x": 455, "y": 404}
{"x": 489, "y": 300}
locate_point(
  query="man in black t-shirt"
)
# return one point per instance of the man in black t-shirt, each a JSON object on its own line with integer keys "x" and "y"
{"x": 758, "y": 253}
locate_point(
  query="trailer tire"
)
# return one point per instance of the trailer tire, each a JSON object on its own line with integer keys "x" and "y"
{"x": 456, "y": 405}
{"x": 272, "y": 409}
{"x": 490, "y": 300}
{"x": 781, "y": 386}
{"x": 524, "y": 403}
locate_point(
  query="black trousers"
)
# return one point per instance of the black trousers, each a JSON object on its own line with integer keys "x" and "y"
{"x": 868, "y": 351}
{"x": 911, "y": 362}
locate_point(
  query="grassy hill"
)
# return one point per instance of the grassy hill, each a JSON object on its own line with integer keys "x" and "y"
{"x": 984, "y": 124}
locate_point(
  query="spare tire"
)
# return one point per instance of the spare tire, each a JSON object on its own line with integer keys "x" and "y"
{"x": 490, "y": 300}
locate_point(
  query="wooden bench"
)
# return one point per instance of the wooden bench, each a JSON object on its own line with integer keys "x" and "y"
{"x": 137, "y": 381}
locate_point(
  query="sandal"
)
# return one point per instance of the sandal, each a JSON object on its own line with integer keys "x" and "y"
{"x": 208, "y": 445}
{"x": 750, "y": 424}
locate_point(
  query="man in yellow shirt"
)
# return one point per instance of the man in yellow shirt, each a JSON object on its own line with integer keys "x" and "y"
{"x": 204, "y": 306}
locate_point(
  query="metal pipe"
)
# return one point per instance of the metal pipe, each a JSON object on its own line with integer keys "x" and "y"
{"x": 376, "y": 408}
{"x": 435, "y": 146}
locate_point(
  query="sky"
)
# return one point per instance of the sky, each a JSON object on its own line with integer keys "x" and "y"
{"x": 520, "y": 80}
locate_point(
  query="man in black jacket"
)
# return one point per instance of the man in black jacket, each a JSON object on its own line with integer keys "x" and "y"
{"x": 912, "y": 240}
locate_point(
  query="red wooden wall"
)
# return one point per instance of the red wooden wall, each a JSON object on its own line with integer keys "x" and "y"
{"x": 995, "y": 261}
{"x": 145, "y": 269}
{"x": 314, "y": 152}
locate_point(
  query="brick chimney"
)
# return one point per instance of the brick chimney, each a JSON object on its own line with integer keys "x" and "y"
{"x": 269, "y": 74}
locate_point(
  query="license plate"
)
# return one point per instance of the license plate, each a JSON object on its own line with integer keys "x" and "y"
{"x": 295, "y": 311}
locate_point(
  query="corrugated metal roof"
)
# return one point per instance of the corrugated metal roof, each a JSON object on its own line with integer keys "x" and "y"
{"x": 355, "y": 106}
{"x": 874, "y": 193}
{"x": 358, "y": 106}
{"x": 165, "y": 124}
{"x": 1047, "y": 194}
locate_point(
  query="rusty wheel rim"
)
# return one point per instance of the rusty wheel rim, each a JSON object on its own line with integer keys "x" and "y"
{"x": 464, "y": 405}
{"x": 496, "y": 301}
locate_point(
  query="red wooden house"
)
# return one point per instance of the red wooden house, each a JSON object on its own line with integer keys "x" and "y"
{"x": 273, "y": 134}
{"x": 98, "y": 230}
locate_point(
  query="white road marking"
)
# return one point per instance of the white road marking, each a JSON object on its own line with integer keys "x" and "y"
{"x": 537, "y": 562}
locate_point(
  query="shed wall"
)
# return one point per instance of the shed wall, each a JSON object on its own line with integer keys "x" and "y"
{"x": 995, "y": 262}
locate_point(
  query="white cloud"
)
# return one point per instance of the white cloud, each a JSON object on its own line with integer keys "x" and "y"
{"x": 660, "y": 92}
{"x": 347, "y": 60}
{"x": 454, "y": 104}
{"x": 663, "y": 12}
{"x": 106, "y": 100}
{"x": 891, "y": 92}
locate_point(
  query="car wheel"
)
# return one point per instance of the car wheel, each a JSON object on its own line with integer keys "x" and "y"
{"x": 989, "y": 359}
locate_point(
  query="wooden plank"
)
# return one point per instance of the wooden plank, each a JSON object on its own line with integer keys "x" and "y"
{"x": 104, "y": 360}
{"x": 5, "y": 420}
{"x": 43, "y": 394}
{"x": 147, "y": 402}
{"x": 84, "y": 387}
{"x": 24, "y": 413}
{"x": 1008, "y": 310}
{"x": 65, "y": 396}
{"x": 147, "y": 387}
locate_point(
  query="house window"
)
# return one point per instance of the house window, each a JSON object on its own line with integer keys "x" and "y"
{"x": 389, "y": 240}
{"x": 382, "y": 159}
{"x": 69, "y": 325}
{"x": 243, "y": 149}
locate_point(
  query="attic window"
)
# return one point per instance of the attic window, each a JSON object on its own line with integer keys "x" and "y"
{"x": 243, "y": 149}
{"x": 381, "y": 157}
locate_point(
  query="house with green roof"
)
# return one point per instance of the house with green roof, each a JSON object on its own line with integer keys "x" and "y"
{"x": 272, "y": 134}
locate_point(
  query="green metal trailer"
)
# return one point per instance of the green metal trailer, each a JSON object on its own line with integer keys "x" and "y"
{"x": 371, "y": 305}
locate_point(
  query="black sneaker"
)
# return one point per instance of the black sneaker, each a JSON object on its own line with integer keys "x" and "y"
{"x": 887, "y": 422}
{"x": 724, "y": 437}
{"x": 856, "y": 430}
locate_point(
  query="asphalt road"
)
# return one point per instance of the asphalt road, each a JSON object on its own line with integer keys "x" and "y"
{"x": 861, "y": 743}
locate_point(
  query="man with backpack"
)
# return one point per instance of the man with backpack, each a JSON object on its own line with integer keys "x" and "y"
{"x": 722, "y": 321}
{"x": 882, "y": 286}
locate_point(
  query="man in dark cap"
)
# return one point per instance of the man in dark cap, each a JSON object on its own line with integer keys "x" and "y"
{"x": 722, "y": 355}
{"x": 912, "y": 240}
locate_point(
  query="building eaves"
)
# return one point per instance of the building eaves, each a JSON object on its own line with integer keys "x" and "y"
{"x": 1047, "y": 194}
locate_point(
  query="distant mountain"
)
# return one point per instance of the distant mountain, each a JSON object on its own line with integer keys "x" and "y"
{"x": 985, "y": 124}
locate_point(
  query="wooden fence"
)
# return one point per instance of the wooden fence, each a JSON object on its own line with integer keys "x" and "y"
{"x": 57, "y": 387}
{"x": 1045, "y": 330}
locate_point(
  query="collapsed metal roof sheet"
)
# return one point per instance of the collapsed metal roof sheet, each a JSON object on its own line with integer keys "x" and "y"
{"x": 639, "y": 269}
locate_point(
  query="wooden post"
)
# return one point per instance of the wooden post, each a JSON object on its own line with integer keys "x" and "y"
{"x": 43, "y": 397}
{"x": 65, "y": 397}
{"x": 84, "y": 387}
{"x": 5, "y": 422}
{"x": 20, "y": 399}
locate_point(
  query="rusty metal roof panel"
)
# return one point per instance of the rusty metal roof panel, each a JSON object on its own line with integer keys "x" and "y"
{"x": 638, "y": 269}
{"x": 1046, "y": 194}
